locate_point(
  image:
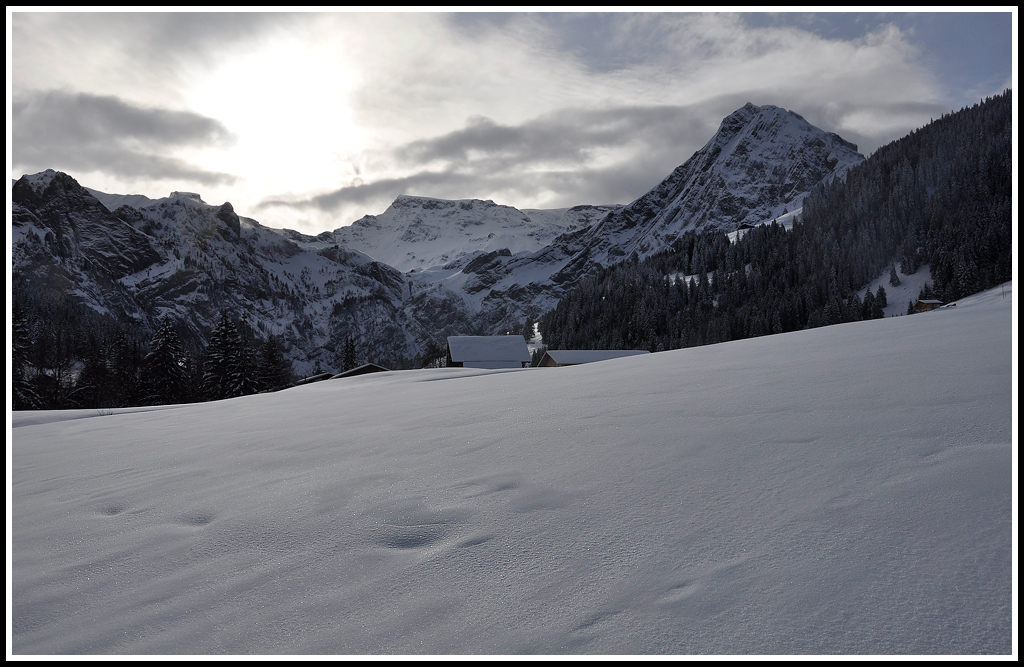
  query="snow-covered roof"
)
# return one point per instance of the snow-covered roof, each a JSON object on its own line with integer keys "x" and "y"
{"x": 360, "y": 370}
{"x": 492, "y": 364}
{"x": 567, "y": 357}
{"x": 488, "y": 348}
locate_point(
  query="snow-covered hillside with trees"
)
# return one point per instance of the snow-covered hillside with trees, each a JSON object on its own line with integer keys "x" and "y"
{"x": 841, "y": 490}
{"x": 94, "y": 274}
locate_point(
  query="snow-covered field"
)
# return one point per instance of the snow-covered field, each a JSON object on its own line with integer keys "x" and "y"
{"x": 844, "y": 490}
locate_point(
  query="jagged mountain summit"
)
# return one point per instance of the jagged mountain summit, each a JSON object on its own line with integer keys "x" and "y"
{"x": 395, "y": 282}
{"x": 760, "y": 164}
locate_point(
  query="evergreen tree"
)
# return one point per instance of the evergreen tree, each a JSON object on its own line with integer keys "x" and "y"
{"x": 55, "y": 338}
{"x": 165, "y": 368}
{"x": 868, "y": 307}
{"x": 881, "y": 299}
{"x": 242, "y": 366}
{"x": 273, "y": 371}
{"x": 230, "y": 368}
{"x": 220, "y": 357}
{"x": 93, "y": 389}
{"x": 349, "y": 354}
{"x": 23, "y": 393}
{"x": 528, "y": 329}
{"x": 435, "y": 355}
{"x": 126, "y": 370}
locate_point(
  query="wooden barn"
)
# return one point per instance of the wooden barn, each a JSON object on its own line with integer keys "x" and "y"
{"x": 924, "y": 305}
{"x": 555, "y": 358}
{"x": 488, "y": 352}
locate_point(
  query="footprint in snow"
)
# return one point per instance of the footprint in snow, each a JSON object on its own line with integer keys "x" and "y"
{"x": 409, "y": 524}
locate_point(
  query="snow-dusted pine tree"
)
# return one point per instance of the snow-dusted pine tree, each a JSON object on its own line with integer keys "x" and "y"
{"x": 165, "y": 367}
{"x": 217, "y": 369}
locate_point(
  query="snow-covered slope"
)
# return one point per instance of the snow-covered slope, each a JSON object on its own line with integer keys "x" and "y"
{"x": 417, "y": 233}
{"x": 840, "y": 490}
{"x": 899, "y": 297}
{"x": 112, "y": 202}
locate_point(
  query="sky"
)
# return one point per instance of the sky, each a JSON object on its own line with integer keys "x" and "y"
{"x": 311, "y": 120}
{"x": 822, "y": 492}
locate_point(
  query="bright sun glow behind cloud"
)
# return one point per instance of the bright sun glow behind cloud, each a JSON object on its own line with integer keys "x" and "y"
{"x": 289, "y": 105}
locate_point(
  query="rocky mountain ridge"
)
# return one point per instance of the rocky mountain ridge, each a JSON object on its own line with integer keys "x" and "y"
{"x": 395, "y": 282}
{"x": 760, "y": 164}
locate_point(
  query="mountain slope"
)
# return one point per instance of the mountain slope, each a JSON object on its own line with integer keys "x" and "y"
{"x": 181, "y": 257}
{"x": 424, "y": 269}
{"x": 941, "y": 197}
{"x": 761, "y": 163}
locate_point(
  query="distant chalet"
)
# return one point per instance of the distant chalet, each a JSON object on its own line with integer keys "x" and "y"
{"x": 488, "y": 352}
{"x": 319, "y": 377}
{"x": 924, "y": 305}
{"x": 360, "y": 370}
{"x": 556, "y": 358}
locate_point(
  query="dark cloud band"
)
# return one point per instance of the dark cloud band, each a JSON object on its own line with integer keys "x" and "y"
{"x": 78, "y": 131}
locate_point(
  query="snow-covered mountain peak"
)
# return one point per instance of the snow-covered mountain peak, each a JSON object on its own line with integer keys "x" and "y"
{"x": 417, "y": 233}
{"x": 737, "y": 119}
{"x": 760, "y": 164}
{"x": 754, "y": 126}
{"x": 433, "y": 203}
{"x": 193, "y": 196}
{"x": 39, "y": 181}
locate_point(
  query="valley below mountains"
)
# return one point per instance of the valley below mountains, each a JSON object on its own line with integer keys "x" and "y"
{"x": 396, "y": 283}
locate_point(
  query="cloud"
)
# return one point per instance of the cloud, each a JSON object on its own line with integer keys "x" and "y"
{"x": 83, "y": 132}
{"x": 131, "y": 54}
{"x": 564, "y": 158}
{"x": 578, "y": 105}
{"x": 340, "y": 112}
{"x": 567, "y": 136}
{"x": 573, "y": 156}
{"x": 364, "y": 193}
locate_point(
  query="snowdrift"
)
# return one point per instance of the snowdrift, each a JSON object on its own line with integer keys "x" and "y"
{"x": 844, "y": 490}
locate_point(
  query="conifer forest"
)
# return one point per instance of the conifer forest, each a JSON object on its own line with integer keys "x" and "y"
{"x": 940, "y": 196}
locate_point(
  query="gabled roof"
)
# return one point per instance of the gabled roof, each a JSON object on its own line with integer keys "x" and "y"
{"x": 568, "y": 357}
{"x": 314, "y": 378}
{"x": 360, "y": 370}
{"x": 467, "y": 349}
